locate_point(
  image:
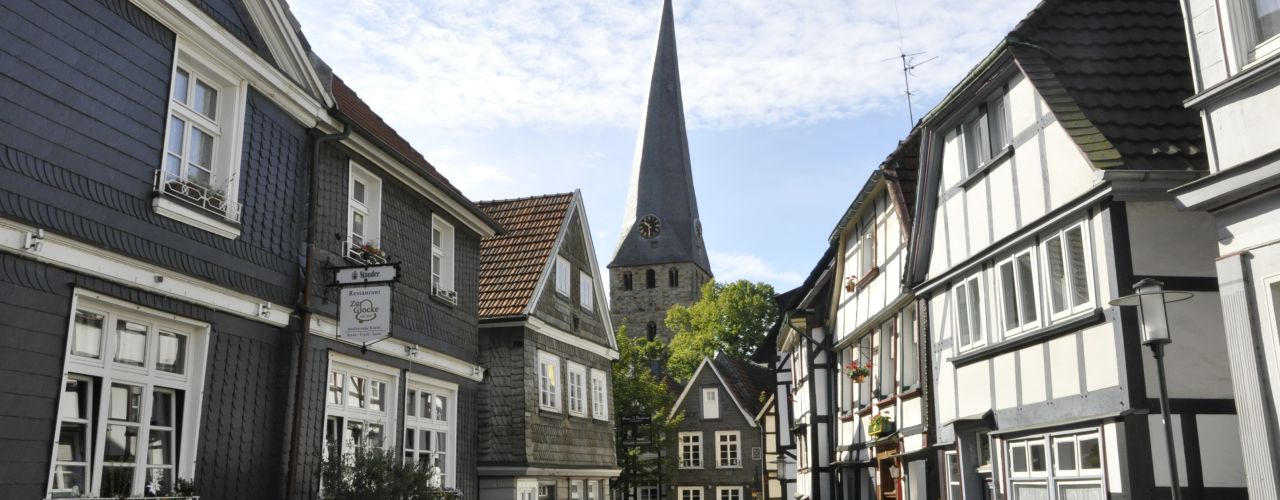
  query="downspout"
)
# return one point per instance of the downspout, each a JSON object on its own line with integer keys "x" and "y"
{"x": 313, "y": 180}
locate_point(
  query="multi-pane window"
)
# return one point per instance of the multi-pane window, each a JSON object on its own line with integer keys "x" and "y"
{"x": 563, "y": 272}
{"x": 648, "y": 493}
{"x": 599, "y": 395}
{"x": 909, "y": 348}
{"x": 358, "y": 403}
{"x": 1066, "y": 271}
{"x": 884, "y": 360}
{"x": 577, "y": 384}
{"x": 955, "y": 489}
{"x": 968, "y": 300}
{"x": 710, "y": 403}
{"x": 986, "y": 133}
{"x": 1061, "y": 466}
{"x": 727, "y": 449}
{"x": 548, "y": 381}
{"x": 442, "y": 251}
{"x": 1256, "y": 28}
{"x": 864, "y": 358}
{"x": 586, "y": 291}
{"x": 690, "y": 450}
{"x": 428, "y": 414}
{"x": 1018, "y": 292}
{"x": 201, "y": 163}
{"x": 124, "y": 403}
{"x": 689, "y": 493}
{"x": 364, "y": 214}
{"x": 729, "y": 493}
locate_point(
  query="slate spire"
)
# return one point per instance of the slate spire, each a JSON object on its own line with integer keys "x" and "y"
{"x": 661, "y": 177}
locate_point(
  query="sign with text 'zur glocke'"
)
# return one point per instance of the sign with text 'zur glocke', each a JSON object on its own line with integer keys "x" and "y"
{"x": 364, "y": 313}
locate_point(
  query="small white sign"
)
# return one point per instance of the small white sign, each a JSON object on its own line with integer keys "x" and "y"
{"x": 364, "y": 314}
{"x": 371, "y": 274}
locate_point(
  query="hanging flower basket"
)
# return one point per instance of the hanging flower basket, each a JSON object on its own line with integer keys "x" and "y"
{"x": 851, "y": 284}
{"x": 857, "y": 371}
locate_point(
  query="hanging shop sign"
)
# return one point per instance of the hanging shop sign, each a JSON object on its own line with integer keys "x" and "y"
{"x": 364, "y": 313}
{"x": 367, "y": 274}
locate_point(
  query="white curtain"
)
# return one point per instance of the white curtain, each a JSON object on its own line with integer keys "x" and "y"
{"x": 1030, "y": 491}
{"x": 1080, "y": 491}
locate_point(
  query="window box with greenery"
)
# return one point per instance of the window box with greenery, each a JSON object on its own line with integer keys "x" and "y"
{"x": 374, "y": 472}
{"x": 879, "y": 426}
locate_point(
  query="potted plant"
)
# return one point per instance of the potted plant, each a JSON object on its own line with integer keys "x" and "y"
{"x": 370, "y": 251}
{"x": 880, "y": 425}
{"x": 850, "y": 284}
{"x": 857, "y": 371}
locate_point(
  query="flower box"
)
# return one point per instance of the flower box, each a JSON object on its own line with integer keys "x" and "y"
{"x": 879, "y": 426}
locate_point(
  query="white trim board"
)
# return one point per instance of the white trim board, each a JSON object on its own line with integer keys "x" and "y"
{"x": 189, "y": 22}
{"x": 86, "y": 259}
{"x": 399, "y": 349}
{"x": 543, "y": 328}
{"x": 502, "y": 471}
{"x": 285, "y": 46}
{"x": 688, "y": 385}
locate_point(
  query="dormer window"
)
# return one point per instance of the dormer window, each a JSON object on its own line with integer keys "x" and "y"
{"x": 985, "y": 133}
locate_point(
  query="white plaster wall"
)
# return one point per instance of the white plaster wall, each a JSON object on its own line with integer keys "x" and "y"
{"x": 1006, "y": 376}
{"x": 1244, "y": 124}
{"x": 1102, "y": 368}
{"x": 1031, "y": 374}
{"x": 911, "y": 412}
{"x": 1159, "y": 453}
{"x": 1206, "y": 42}
{"x": 1167, "y": 242}
{"x": 1221, "y": 462}
{"x": 975, "y": 398}
{"x": 1064, "y": 367}
{"x": 1196, "y": 362}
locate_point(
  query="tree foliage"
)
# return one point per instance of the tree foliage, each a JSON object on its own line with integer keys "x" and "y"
{"x": 380, "y": 474}
{"x": 638, "y": 392}
{"x": 730, "y": 317}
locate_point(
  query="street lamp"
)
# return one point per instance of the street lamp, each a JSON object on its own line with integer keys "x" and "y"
{"x": 1150, "y": 298}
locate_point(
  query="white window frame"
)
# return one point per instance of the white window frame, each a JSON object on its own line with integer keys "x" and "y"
{"x": 593, "y": 489}
{"x": 981, "y": 122}
{"x": 647, "y": 493}
{"x": 908, "y": 348}
{"x": 563, "y": 272}
{"x": 349, "y": 367}
{"x": 711, "y": 405}
{"x": 689, "y": 493}
{"x": 1020, "y": 286}
{"x": 586, "y": 291}
{"x": 691, "y": 445}
{"x": 370, "y": 209}
{"x": 1069, "y": 283}
{"x": 576, "y": 384}
{"x": 416, "y": 388}
{"x": 729, "y": 493}
{"x": 549, "y": 383}
{"x": 103, "y": 372}
{"x": 885, "y": 358}
{"x": 442, "y": 255}
{"x": 955, "y": 477}
{"x": 1249, "y": 49}
{"x": 976, "y": 323}
{"x": 1053, "y": 477}
{"x": 227, "y": 131}
{"x": 575, "y": 489}
{"x": 599, "y": 395}
{"x": 728, "y": 447}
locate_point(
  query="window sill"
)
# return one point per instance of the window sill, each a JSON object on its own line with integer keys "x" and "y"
{"x": 1258, "y": 69}
{"x": 542, "y": 410}
{"x": 864, "y": 410}
{"x": 866, "y": 280}
{"x": 848, "y": 416}
{"x": 909, "y": 392}
{"x": 987, "y": 167}
{"x": 885, "y": 400}
{"x": 181, "y": 213}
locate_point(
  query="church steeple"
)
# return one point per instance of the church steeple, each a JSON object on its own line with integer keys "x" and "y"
{"x": 661, "y": 223}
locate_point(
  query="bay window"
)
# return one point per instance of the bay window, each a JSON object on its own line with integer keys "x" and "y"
{"x": 130, "y": 401}
{"x": 429, "y": 429}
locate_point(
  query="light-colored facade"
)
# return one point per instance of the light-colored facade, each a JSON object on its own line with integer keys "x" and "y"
{"x": 809, "y": 385}
{"x": 1042, "y": 199}
{"x": 876, "y": 331}
{"x": 1236, "y": 69}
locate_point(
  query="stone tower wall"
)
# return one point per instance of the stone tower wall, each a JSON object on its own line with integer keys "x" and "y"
{"x": 640, "y": 305}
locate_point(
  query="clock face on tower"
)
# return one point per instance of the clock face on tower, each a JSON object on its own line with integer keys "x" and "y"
{"x": 649, "y": 226}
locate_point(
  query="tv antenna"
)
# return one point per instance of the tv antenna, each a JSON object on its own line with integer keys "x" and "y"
{"x": 909, "y": 64}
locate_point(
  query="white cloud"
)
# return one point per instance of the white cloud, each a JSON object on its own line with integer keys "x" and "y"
{"x": 435, "y": 67}
{"x": 733, "y": 266}
{"x": 469, "y": 178}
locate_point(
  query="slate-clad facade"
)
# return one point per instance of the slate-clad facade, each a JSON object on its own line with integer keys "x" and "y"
{"x": 547, "y": 344}
{"x": 718, "y": 445}
{"x": 84, "y": 99}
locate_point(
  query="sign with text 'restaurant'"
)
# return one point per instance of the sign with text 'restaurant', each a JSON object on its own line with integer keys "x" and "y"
{"x": 364, "y": 313}
{"x": 367, "y": 274}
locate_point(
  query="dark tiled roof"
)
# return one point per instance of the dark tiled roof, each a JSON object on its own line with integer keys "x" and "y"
{"x": 746, "y": 380}
{"x": 511, "y": 264}
{"x": 901, "y": 169}
{"x": 1115, "y": 74}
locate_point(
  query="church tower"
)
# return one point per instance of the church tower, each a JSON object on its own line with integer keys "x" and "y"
{"x": 661, "y": 260}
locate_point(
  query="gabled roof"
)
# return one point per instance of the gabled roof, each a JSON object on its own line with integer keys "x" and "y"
{"x": 1114, "y": 74}
{"x": 511, "y": 264}
{"x": 662, "y": 176}
{"x": 743, "y": 381}
{"x": 516, "y": 266}
{"x": 355, "y": 111}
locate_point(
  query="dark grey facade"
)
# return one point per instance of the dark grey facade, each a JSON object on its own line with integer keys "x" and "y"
{"x": 740, "y": 390}
{"x": 84, "y": 88}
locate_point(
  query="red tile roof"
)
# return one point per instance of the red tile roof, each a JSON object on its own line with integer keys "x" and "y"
{"x": 511, "y": 264}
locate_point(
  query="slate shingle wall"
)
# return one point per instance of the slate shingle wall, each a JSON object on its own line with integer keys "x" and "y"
{"x": 502, "y": 411}
{"x": 559, "y": 310}
{"x": 83, "y": 93}
{"x": 557, "y": 439}
{"x": 244, "y": 387}
{"x": 406, "y": 236}
{"x": 233, "y": 17}
{"x": 731, "y": 419}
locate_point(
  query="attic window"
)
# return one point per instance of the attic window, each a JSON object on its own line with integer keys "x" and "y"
{"x": 986, "y": 132}
{"x": 562, "y": 276}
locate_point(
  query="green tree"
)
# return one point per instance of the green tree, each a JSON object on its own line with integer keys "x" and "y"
{"x": 638, "y": 392}
{"x": 730, "y": 317}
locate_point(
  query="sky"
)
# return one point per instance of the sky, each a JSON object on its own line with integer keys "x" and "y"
{"x": 790, "y": 104}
